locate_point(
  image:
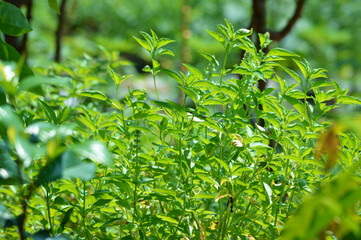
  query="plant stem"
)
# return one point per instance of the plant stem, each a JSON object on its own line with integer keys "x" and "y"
{"x": 223, "y": 69}
{"x": 48, "y": 208}
{"x": 281, "y": 197}
{"x": 83, "y": 210}
{"x": 155, "y": 86}
{"x": 117, "y": 90}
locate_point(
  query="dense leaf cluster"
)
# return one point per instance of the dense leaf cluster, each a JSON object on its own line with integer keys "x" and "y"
{"x": 77, "y": 163}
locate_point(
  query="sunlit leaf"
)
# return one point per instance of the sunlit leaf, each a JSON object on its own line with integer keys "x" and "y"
{"x": 95, "y": 151}
{"x": 94, "y": 94}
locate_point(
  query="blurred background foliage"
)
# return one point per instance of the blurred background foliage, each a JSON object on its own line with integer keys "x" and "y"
{"x": 327, "y": 33}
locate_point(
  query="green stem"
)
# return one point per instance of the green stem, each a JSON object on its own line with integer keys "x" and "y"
{"x": 155, "y": 86}
{"x": 48, "y": 208}
{"x": 223, "y": 69}
{"x": 244, "y": 215}
{"x": 223, "y": 223}
{"x": 117, "y": 89}
{"x": 83, "y": 210}
{"x": 281, "y": 197}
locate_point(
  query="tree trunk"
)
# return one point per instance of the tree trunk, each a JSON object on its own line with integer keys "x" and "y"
{"x": 59, "y": 31}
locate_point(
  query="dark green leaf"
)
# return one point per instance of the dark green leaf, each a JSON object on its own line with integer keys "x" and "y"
{"x": 9, "y": 170}
{"x": 66, "y": 218}
{"x": 4, "y": 215}
{"x": 8, "y": 53}
{"x": 12, "y": 20}
{"x": 49, "y": 112}
{"x": 66, "y": 166}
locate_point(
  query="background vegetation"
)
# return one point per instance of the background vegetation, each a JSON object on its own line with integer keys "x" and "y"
{"x": 325, "y": 33}
{"x": 233, "y": 138}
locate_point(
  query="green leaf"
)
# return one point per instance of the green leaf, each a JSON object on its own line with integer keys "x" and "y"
{"x": 54, "y": 5}
{"x": 212, "y": 102}
{"x": 163, "y": 51}
{"x": 139, "y": 128}
{"x": 269, "y": 191}
{"x": 303, "y": 67}
{"x": 173, "y": 75}
{"x": 4, "y": 215}
{"x": 144, "y": 44}
{"x": 8, "y": 53}
{"x": 26, "y": 151}
{"x": 212, "y": 124}
{"x": 9, "y": 170}
{"x": 94, "y": 94}
{"x": 12, "y": 20}
{"x": 49, "y": 112}
{"x": 33, "y": 82}
{"x": 205, "y": 85}
{"x": 149, "y": 39}
{"x": 318, "y": 73}
{"x": 9, "y": 118}
{"x": 2, "y": 97}
{"x": 193, "y": 70}
{"x": 242, "y": 32}
{"x": 66, "y": 218}
{"x": 208, "y": 179}
{"x": 190, "y": 93}
{"x": 165, "y": 191}
{"x": 101, "y": 202}
{"x": 224, "y": 30}
{"x": 222, "y": 194}
{"x": 321, "y": 83}
{"x": 264, "y": 39}
{"x": 162, "y": 104}
{"x": 167, "y": 219}
{"x": 95, "y": 151}
{"x": 210, "y": 58}
{"x": 116, "y": 77}
{"x": 164, "y": 41}
{"x": 281, "y": 52}
{"x": 45, "y": 131}
{"x": 147, "y": 69}
{"x": 223, "y": 164}
{"x": 348, "y": 100}
{"x": 66, "y": 166}
{"x": 292, "y": 74}
{"x": 217, "y": 36}
{"x": 205, "y": 195}
{"x": 180, "y": 109}
{"x": 229, "y": 27}
{"x": 297, "y": 105}
{"x": 248, "y": 46}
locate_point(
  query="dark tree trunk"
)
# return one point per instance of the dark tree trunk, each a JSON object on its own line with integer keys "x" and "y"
{"x": 259, "y": 25}
{"x": 59, "y": 30}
